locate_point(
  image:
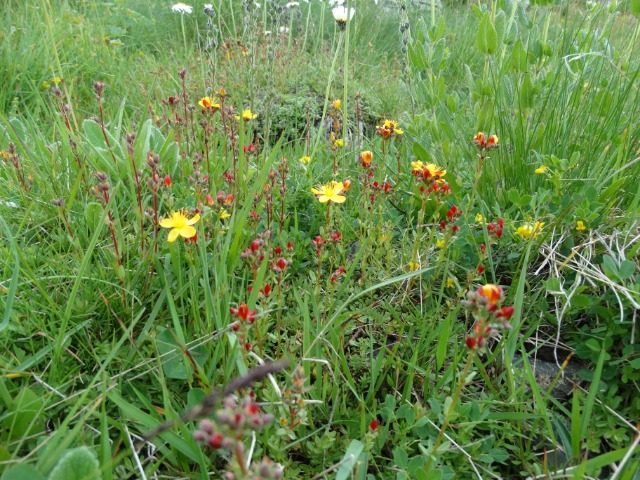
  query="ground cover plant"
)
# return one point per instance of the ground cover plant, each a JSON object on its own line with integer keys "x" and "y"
{"x": 319, "y": 239}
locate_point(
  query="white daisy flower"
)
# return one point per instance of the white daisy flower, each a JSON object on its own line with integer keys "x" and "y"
{"x": 182, "y": 8}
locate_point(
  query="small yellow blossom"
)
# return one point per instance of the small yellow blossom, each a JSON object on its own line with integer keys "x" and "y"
{"x": 222, "y": 214}
{"x": 451, "y": 283}
{"x": 580, "y": 225}
{"x": 207, "y": 102}
{"x": 528, "y": 230}
{"x": 440, "y": 243}
{"x": 389, "y": 128}
{"x": 337, "y": 104}
{"x": 413, "y": 266}
{"x": 541, "y": 169}
{"x": 180, "y": 225}
{"x": 331, "y": 192}
{"x": 366, "y": 157}
{"x": 339, "y": 143}
{"x": 434, "y": 170}
{"x": 45, "y": 85}
{"x": 56, "y": 80}
{"x": 247, "y": 115}
{"x": 479, "y": 218}
{"x": 305, "y": 160}
{"x": 5, "y": 155}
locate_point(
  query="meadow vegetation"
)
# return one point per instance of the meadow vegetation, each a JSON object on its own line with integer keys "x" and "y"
{"x": 268, "y": 240}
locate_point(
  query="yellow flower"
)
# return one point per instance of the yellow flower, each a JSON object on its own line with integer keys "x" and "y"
{"x": 339, "y": 143}
{"x": 56, "y": 80}
{"x": 337, "y": 104}
{"x": 528, "y": 230}
{"x": 440, "y": 243}
{"x": 434, "y": 170}
{"x": 222, "y": 214}
{"x": 366, "y": 157}
{"x": 207, "y": 102}
{"x": 479, "y": 218}
{"x": 389, "y": 128}
{"x": 305, "y": 160}
{"x": 394, "y": 126}
{"x": 180, "y": 225}
{"x": 580, "y": 226}
{"x": 331, "y": 192}
{"x": 45, "y": 85}
{"x": 451, "y": 283}
{"x": 541, "y": 169}
{"x": 247, "y": 115}
{"x": 413, "y": 266}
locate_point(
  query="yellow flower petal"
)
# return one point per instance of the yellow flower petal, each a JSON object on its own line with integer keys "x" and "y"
{"x": 173, "y": 234}
{"x": 195, "y": 219}
{"x": 324, "y": 199}
{"x": 338, "y": 199}
{"x": 187, "y": 232}
{"x": 166, "y": 222}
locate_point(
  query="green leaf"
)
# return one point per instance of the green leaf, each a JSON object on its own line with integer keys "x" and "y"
{"x": 527, "y": 92}
{"x": 23, "y": 472}
{"x": 626, "y": 270}
{"x": 349, "y": 460}
{"x": 420, "y": 152}
{"x": 485, "y": 118}
{"x": 487, "y": 38}
{"x": 172, "y": 357}
{"x": 401, "y": 457}
{"x": 519, "y": 57}
{"x": 500, "y": 25}
{"x": 634, "y": 8}
{"x": 610, "y": 267}
{"x": 77, "y": 464}
{"x": 25, "y": 417}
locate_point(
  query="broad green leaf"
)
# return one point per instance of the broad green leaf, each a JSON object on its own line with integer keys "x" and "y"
{"x": 487, "y": 38}
{"x": 527, "y": 93}
{"x": 626, "y": 270}
{"x": 77, "y": 464}
{"x": 23, "y": 472}
{"x": 349, "y": 460}
{"x": 519, "y": 57}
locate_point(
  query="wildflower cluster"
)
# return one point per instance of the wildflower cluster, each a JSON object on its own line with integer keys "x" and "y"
{"x": 431, "y": 176}
{"x": 233, "y": 422}
{"x": 246, "y": 318}
{"x": 293, "y": 398}
{"x": 484, "y": 143}
{"x": 529, "y": 230}
{"x": 388, "y": 129}
{"x": 485, "y": 306}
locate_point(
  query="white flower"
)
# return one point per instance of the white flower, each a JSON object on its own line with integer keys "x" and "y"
{"x": 341, "y": 16}
{"x": 208, "y": 6}
{"x": 284, "y": 30}
{"x": 292, "y": 4}
{"x": 182, "y": 8}
{"x": 336, "y": 2}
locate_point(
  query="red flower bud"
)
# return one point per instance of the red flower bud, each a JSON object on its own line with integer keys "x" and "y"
{"x": 215, "y": 440}
{"x": 483, "y": 248}
{"x": 209, "y": 200}
{"x": 373, "y": 426}
{"x": 471, "y": 342}
{"x": 505, "y": 312}
{"x": 480, "y": 269}
{"x": 167, "y": 181}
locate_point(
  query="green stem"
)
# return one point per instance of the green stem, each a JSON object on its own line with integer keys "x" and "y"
{"x": 447, "y": 416}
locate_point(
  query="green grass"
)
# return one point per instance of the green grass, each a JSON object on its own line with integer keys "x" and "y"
{"x": 108, "y": 329}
